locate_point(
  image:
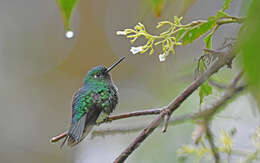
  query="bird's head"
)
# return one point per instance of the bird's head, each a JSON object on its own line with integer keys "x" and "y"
{"x": 100, "y": 73}
{"x": 97, "y": 74}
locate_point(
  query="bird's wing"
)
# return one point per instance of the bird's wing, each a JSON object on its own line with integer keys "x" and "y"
{"x": 83, "y": 119}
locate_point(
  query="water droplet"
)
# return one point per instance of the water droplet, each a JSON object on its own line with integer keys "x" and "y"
{"x": 69, "y": 34}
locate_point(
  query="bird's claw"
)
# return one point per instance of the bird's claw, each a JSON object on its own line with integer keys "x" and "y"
{"x": 107, "y": 119}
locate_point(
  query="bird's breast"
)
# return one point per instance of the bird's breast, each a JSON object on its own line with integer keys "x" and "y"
{"x": 108, "y": 98}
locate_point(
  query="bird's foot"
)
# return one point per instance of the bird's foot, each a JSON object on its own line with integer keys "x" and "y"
{"x": 105, "y": 120}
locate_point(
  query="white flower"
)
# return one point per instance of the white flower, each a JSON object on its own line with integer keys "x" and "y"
{"x": 162, "y": 57}
{"x": 136, "y": 50}
{"x": 120, "y": 32}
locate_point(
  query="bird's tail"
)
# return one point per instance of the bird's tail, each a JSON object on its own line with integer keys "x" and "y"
{"x": 77, "y": 132}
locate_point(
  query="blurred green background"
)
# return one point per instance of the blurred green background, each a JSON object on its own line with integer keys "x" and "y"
{"x": 40, "y": 69}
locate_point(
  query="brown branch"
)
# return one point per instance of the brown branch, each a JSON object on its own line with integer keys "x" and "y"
{"x": 134, "y": 114}
{"x": 235, "y": 80}
{"x": 223, "y": 60}
{"x": 209, "y": 111}
{"x": 113, "y": 118}
{"x": 59, "y": 137}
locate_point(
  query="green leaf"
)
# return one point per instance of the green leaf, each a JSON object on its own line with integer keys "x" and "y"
{"x": 180, "y": 34}
{"x": 66, "y": 8}
{"x": 204, "y": 90}
{"x": 221, "y": 14}
{"x": 208, "y": 40}
{"x": 226, "y": 5}
{"x": 198, "y": 31}
{"x": 250, "y": 38}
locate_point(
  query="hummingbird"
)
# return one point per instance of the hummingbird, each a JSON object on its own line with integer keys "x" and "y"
{"x": 92, "y": 103}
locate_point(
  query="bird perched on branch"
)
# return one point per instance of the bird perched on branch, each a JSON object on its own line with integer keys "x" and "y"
{"x": 92, "y": 103}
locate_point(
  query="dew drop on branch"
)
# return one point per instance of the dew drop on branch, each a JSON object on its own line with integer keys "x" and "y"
{"x": 69, "y": 34}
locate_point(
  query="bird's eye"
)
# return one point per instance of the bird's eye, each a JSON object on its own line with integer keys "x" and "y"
{"x": 97, "y": 76}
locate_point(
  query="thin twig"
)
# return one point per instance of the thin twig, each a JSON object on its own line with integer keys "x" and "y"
{"x": 235, "y": 80}
{"x": 165, "y": 123}
{"x": 210, "y": 137}
{"x": 135, "y": 114}
{"x": 225, "y": 20}
{"x": 113, "y": 118}
{"x": 59, "y": 137}
{"x": 230, "y": 20}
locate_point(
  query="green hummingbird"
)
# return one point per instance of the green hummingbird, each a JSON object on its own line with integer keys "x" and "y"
{"x": 92, "y": 103}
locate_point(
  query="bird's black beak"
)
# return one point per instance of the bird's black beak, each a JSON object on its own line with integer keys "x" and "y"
{"x": 114, "y": 65}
